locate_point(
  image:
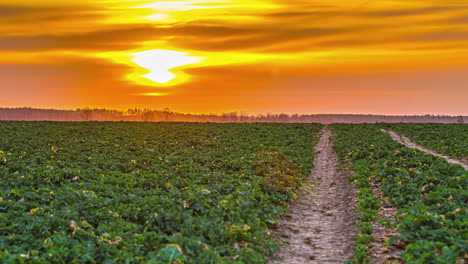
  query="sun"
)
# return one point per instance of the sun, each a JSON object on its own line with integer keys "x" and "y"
{"x": 160, "y": 66}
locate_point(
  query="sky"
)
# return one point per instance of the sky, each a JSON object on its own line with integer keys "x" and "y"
{"x": 252, "y": 56}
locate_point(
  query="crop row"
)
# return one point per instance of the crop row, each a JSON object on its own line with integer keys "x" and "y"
{"x": 448, "y": 139}
{"x": 141, "y": 192}
{"x": 429, "y": 193}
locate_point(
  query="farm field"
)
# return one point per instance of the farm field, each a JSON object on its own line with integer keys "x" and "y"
{"x": 429, "y": 194}
{"x": 105, "y": 192}
{"x": 448, "y": 139}
{"x": 144, "y": 192}
{"x": 234, "y": 132}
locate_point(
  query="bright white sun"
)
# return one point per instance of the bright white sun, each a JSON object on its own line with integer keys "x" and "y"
{"x": 160, "y": 62}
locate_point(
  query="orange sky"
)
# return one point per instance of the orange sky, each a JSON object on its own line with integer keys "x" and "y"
{"x": 255, "y": 56}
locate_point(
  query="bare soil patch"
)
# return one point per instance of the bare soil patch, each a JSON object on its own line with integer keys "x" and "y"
{"x": 410, "y": 144}
{"x": 320, "y": 227}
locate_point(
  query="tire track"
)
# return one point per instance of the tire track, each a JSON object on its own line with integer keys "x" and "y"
{"x": 320, "y": 227}
{"x": 410, "y": 144}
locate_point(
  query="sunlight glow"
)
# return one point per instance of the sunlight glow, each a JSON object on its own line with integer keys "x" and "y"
{"x": 188, "y": 5}
{"x": 158, "y": 17}
{"x": 153, "y": 94}
{"x": 238, "y": 11}
{"x": 160, "y": 62}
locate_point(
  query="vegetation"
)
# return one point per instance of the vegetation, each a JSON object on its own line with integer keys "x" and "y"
{"x": 448, "y": 139}
{"x": 165, "y": 115}
{"x": 144, "y": 192}
{"x": 430, "y": 195}
{"x": 208, "y": 193}
{"x": 279, "y": 172}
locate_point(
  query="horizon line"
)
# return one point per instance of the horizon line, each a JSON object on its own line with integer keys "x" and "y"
{"x": 240, "y": 113}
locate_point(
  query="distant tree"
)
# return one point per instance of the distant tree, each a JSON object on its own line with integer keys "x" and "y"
{"x": 243, "y": 117}
{"x": 167, "y": 114}
{"x": 146, "y": 115}
{"x": 283, "y": 118}
{"x": 460, "y": 120}
{"x": 86, "y": 113}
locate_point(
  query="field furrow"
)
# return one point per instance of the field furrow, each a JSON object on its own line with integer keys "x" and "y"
{"x": 428, "y": 193}
{"x": 410, "y": 144}
{"x": 320, "y": 227}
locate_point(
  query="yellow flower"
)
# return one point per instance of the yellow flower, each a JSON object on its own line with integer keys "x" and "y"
{"x": 400, "y": 182}
{"x": 133, "y": 161}
{"x": 34, "y": 211}
{"x": 53, "y": 148}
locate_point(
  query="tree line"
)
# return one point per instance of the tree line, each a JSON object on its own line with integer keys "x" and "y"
{"x": 167, "y": 115}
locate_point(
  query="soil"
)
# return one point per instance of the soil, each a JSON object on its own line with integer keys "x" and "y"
{"x": 320, "y": 227}
{"x": 380, "y": 251}
{"x": 407, "y": 142}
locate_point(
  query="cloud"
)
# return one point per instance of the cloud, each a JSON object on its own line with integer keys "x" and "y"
{"x": 375, "y": 92}
{"x": 446, "y": 35}
{"x": 298, "y": 25}
{"x": 416, "y": 11}
{"x": 254, "y": 51}
{"x": 114, "y": 39}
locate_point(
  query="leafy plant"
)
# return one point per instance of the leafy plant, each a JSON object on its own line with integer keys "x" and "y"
{"x": 278, "y": 171}
{"x": 141, "y": 192}
{"x": 430, "y": 194}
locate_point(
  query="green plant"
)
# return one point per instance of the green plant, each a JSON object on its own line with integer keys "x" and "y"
{"x": 105, "y": 192}
{"x": 279, "y": 172}
{"x": 429, "y": 193}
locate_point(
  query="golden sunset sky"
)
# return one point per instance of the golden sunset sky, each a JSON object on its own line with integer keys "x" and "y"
{"x": 255, "y": 56}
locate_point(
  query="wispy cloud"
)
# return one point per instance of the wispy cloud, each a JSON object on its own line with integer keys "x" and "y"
{"x": 376, "y": 92}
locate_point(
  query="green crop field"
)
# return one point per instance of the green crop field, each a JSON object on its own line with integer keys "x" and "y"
{"x": 143, "y": 192}
{"x": 429, "y": 193}
{"x": 448, "y": 139}
{"x": 105, "y": 192}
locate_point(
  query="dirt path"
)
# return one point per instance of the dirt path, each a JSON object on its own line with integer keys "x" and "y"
{"x": 320, "y": 227}
{"x": 407, "y": 142}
